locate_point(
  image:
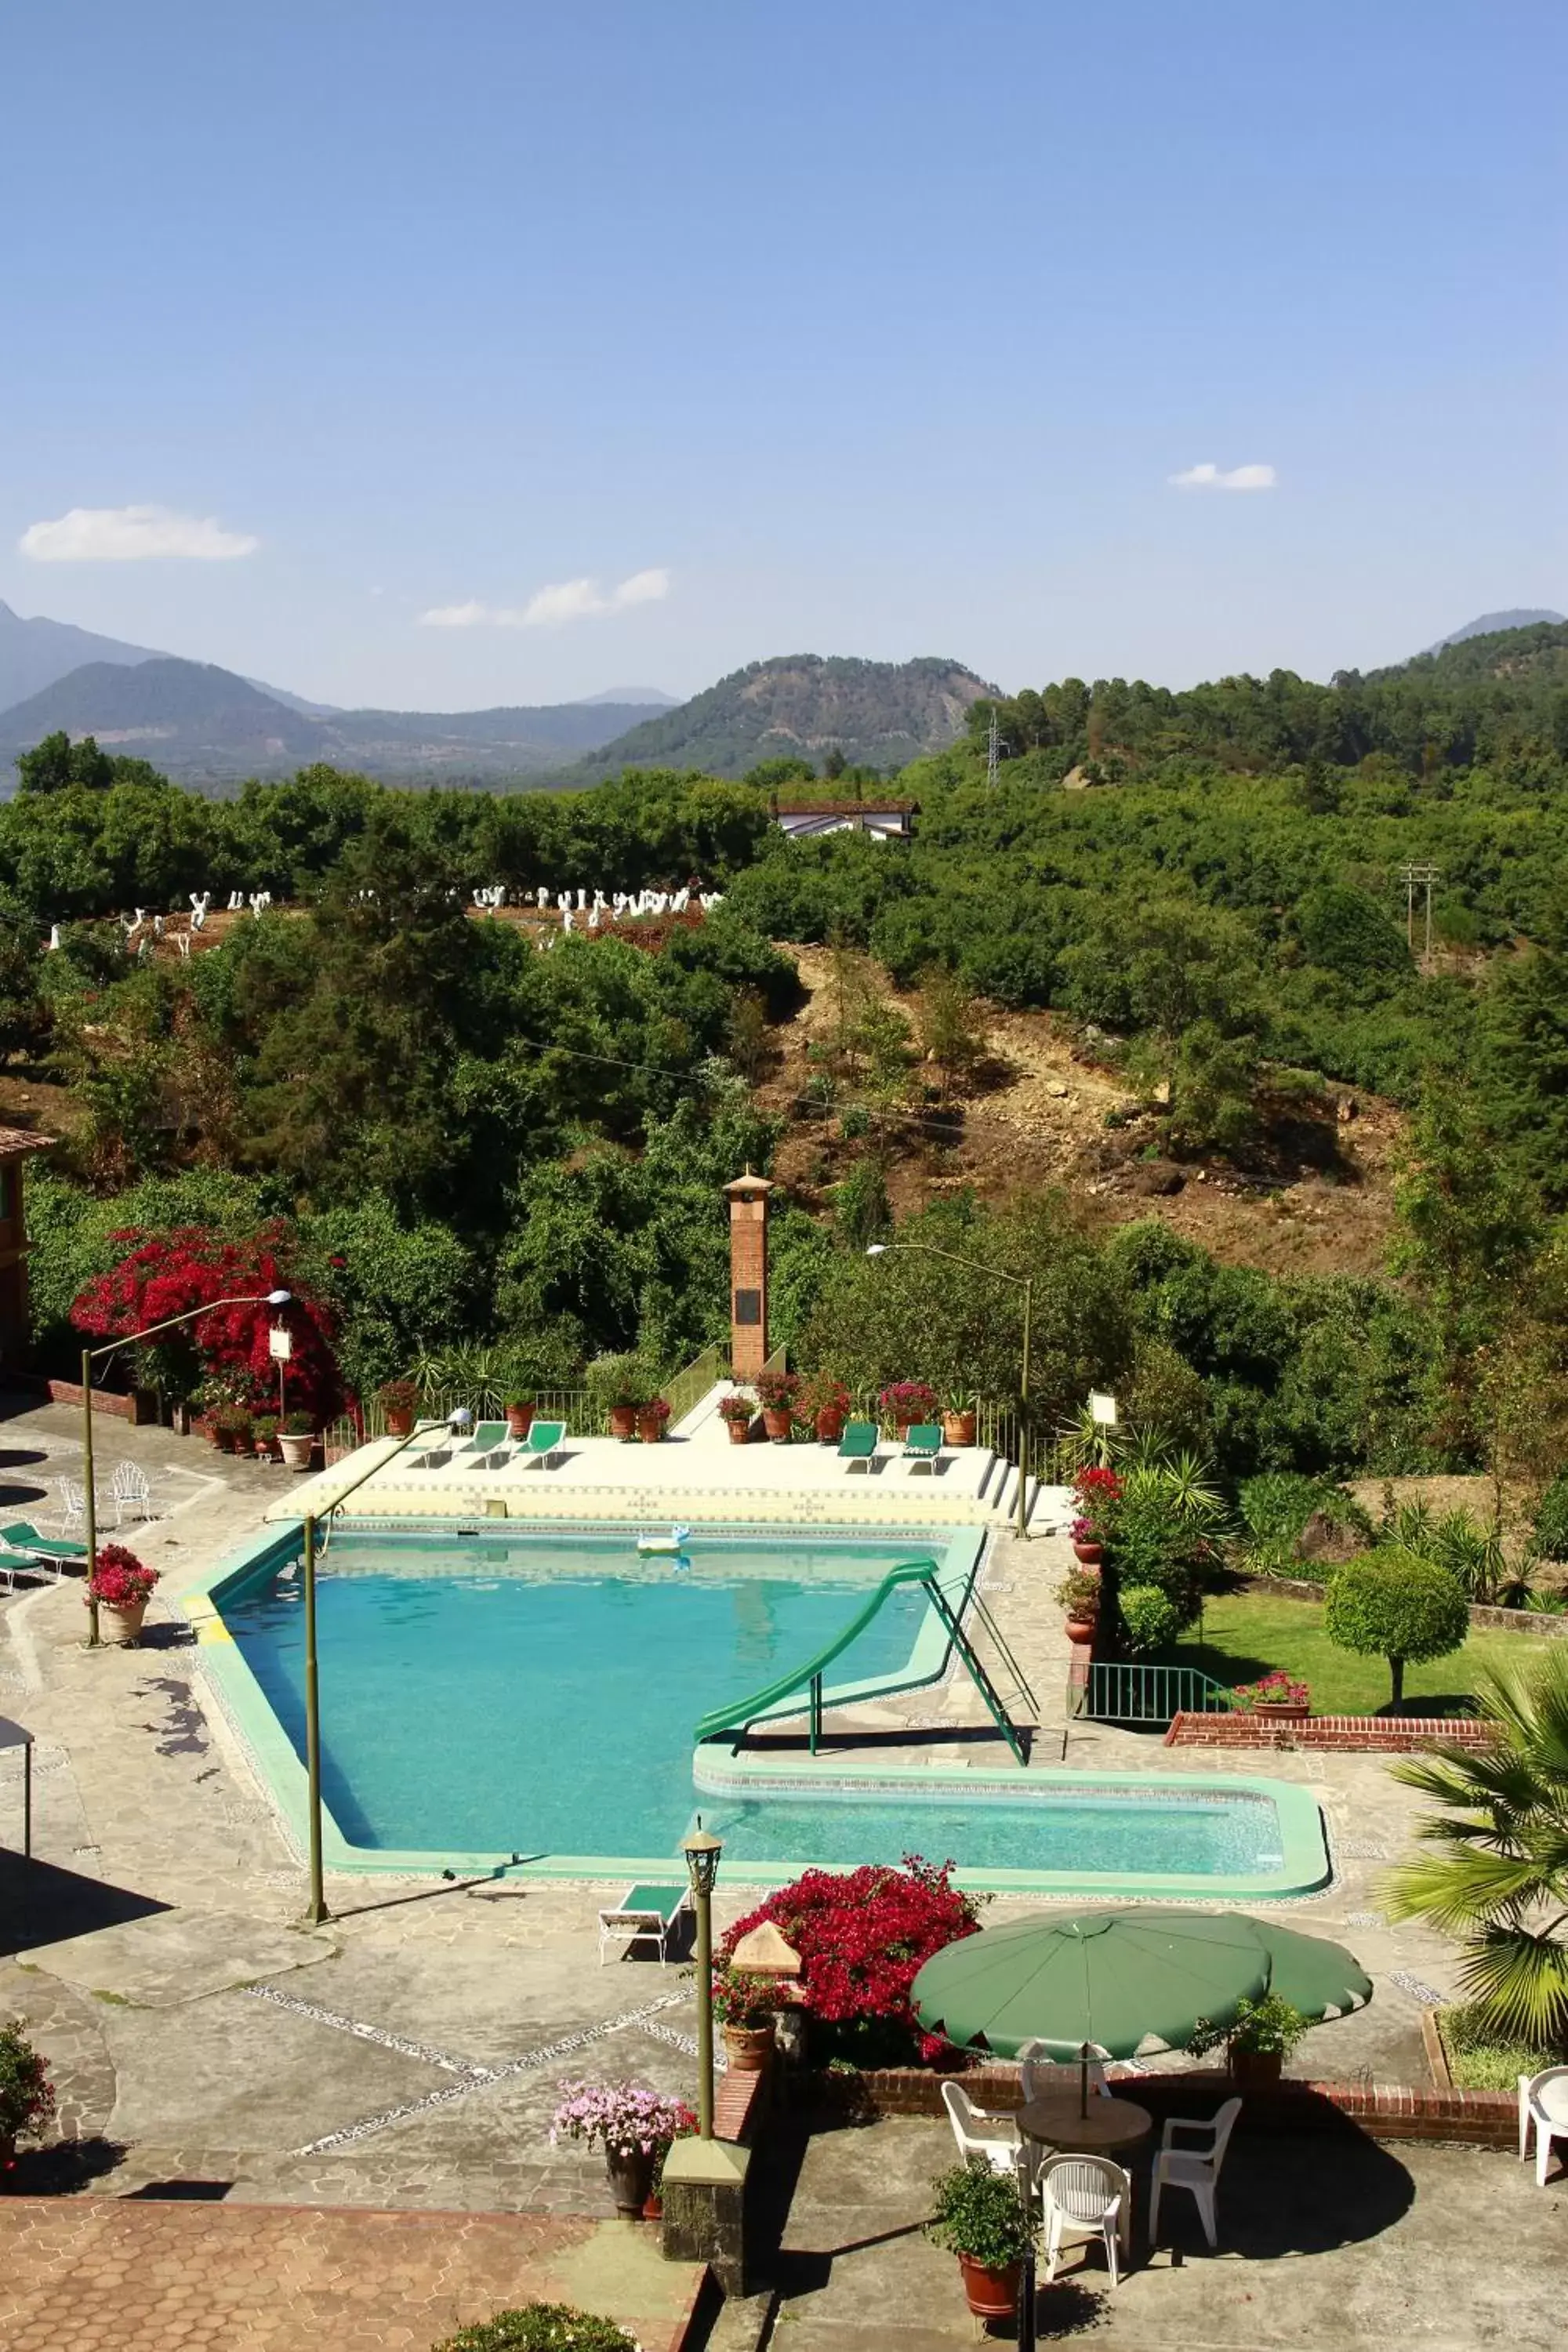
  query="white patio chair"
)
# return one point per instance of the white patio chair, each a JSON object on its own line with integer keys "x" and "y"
{"x": 73, "y": 1506}
{"x": 1044, "y": 2071}
{"x": 1084, "y": 2198}
{"x": 980, "y": 2133}
{"x": 1543, "y": 2109}
{"x": 1195, "y": 2168}
{"x": 132, "y": 1495}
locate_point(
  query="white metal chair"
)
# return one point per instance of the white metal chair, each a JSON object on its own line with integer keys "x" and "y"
{"x": 132, "y": 1495}
{"x": 980, "y": 2133}
{"x": 1196, "y": 2169}
{"x": 1043, "y": 2071}
{"x": 73, "y": 1506}
{"x": 1084, "y": 2198}
{"x": 1543, "y": 2109}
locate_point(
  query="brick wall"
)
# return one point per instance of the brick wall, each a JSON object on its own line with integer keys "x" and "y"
{"x": 1385, "y": 2111}
{"x": 1364, "y": 1734}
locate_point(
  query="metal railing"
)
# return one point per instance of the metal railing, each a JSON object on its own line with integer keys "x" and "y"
{"x": 1154, "y": 1696}
{"x": 688, "y": 1388}
{"x": 581, "y": 1411}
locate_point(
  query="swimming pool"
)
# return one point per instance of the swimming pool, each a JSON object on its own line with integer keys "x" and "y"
{"x": 527, "y": 1697}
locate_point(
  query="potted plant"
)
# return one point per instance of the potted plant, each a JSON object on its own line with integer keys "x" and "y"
{"x": 119, "y": 1583}
{"x": 1277, "y": 1698}
{"x": 979, "y": 2216}
{"x": 778, "y": 1392}
{"x": 1079, "y": 1596}
{"x": 633, "y": 2126}
{"x": 959, "y": 1417}
{"x": 398, "y": 1401}
{"x": 1257, "y": 2039}
{"x": 823, "y": 1407}
{"x": 1086, "y": 1549}
{"x": 1097, "y": 1494}
{"x": 231, "y": 1429}
{"x": 651, "y": 1419}
{"x": 264, "y": 1436}
{"x": 296, "y": 1439}
{"x": 619, "y": 1383}
{"x": 905, "y": 1403}
{"x": 519, "y": 1417}
{"x": 26, "y": 2095}
{"x": 738, "y": 1412}
{"x": 744, "y": 2006}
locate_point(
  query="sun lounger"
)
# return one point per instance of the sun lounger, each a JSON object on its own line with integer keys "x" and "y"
{"x": 485, "y": 1439}
{"x": 544, "y": 1438}
{"x": 21, "y": 1536}
{"x": 645, "y": 1915}
{"x": 922, "y": 1442}
{"x": 857, "y": 1446}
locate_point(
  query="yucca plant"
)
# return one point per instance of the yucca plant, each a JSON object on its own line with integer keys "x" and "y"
{"x": 1498, "y": 1873}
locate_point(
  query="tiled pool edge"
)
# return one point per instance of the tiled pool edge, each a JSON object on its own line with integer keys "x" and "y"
{"x": 282, "y": 1775}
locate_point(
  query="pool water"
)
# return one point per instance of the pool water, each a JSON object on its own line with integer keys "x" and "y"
{"x": 537, "y": 1697}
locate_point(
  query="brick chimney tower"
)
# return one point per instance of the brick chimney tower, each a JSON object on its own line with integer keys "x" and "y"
{"x": 748, "y": 1198}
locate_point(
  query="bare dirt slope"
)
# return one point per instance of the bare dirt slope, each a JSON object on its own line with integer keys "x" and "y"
{"x": 1036, "y": 1116}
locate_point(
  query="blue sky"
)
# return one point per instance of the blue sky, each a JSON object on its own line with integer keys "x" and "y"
{"x": 636, "y": 341}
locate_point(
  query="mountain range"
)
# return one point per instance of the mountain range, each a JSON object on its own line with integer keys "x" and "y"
{"x": 211, "y": 728}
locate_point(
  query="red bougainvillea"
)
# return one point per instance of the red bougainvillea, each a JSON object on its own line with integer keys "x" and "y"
{"x": 863, "y": 1938}
{"x": 119, "y": 1580}
{"x": 1098, "y": 1493}
{"x": 168, "y": 1274}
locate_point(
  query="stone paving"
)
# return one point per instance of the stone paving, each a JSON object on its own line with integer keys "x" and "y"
{"x": 193, "y": 2277}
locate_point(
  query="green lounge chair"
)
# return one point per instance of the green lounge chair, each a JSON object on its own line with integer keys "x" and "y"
{"x": 644, "y": 1915}
{"x": 857, "y": 1446}
{"x": 486, "y": 1438}
{"x": 21, "y": 1536}
{"x": 544, "y": 1438}
{"x": 922, "y": 1442}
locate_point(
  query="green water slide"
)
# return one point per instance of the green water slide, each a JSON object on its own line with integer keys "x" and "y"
{"x": 804, "y": 1683}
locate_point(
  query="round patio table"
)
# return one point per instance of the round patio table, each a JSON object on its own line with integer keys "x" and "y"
{"x": 1060, "y": 2122}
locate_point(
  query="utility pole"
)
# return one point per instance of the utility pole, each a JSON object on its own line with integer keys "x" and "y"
{"x": 1415, "y": 876}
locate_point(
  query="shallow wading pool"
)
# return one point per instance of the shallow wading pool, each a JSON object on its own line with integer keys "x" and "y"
{"x": 527, "y": 1698}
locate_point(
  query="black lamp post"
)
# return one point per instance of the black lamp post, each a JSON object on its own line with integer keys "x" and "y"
{"x": 702, "y": 1850}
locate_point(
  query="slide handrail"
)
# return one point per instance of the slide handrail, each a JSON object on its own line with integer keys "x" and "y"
{"x": 722, "y": 1720}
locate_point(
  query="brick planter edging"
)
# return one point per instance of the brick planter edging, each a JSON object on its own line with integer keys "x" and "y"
{"x": 1384, "y": 1735}
{"x": 1385, "y": 2111}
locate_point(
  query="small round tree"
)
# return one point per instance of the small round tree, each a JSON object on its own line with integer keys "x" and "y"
{"x": 1391, "y": 1604}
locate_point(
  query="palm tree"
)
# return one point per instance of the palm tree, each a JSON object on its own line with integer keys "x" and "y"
{"x": 1498, "y": 1876}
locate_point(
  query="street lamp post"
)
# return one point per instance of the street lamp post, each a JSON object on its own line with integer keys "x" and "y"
{"x": 1025, "y": 1283}
{"x": 90, "y": 1357}
{"x": 703, "y": 1851}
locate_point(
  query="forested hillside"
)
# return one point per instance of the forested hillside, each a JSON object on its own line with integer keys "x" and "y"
{"x": 476, "y": 1132}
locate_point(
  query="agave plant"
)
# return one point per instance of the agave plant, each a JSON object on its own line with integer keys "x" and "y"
{"x": 1180, "y": 1487}
{"x": 1498, "y": 1873}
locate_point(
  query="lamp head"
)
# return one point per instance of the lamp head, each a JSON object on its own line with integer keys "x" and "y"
{"x": 279, "y": 1297}
{"x": 875, "y": 1249}
{"x": 702, "y": 1851}
{"x": 460, "y": 1419}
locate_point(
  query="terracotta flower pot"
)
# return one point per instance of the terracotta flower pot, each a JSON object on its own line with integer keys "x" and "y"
{"x": 399, "y": 1421}
{"x": 1089, "y": 1555}
{"x": 296, "y": 1447}
{"x": 651, "y": 1428}
{"x": 519, "y": 1420}
{"x": 958, "y": 1428}
{"x": 829, "y": 1425}
{"x": 749, "y": 2048}
{"x": 623, "y": 1422}
{"x": 631, "y": 2179}
{"x": 652, "y": 2206}
{"x": 777, "y": 1422}
{"x": 1081, "y": 1629}
{"x": 740, "y": 1432}
{"x": 992, "y": 2294}
{"x": 225, "y": 1440}
{"x": 126, "y": 1623}
{"x": 1256, "y": 2069}
{"x": 1277, "y": 1711}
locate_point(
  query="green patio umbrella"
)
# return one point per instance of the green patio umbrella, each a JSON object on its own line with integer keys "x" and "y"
{"x": 1118, "y": 1979}
{"x": 1320, "y": 1979}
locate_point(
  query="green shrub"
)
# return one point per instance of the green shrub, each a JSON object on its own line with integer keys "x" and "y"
{"x": 541, "y": 2328}
{"x": 1551, "y": 1519}
{"x": 1481, "y": 2057}
{"x": 1151, "y": 1619}
{"x": 978, "y": 2213}
{"x": 1391, "y": 1604}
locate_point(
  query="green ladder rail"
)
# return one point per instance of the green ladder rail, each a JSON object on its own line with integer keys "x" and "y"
{"x": 733, "y": 1721}
{"x": 1115, "y": 1693}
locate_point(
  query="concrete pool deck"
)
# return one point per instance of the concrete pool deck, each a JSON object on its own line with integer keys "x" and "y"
{"x": 407, "y": 2052}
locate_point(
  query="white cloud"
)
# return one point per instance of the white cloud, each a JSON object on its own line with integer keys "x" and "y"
{"x": 133, "y": 535}
{"x": 564, "y": 600}
{"x": 1217, "y": 478}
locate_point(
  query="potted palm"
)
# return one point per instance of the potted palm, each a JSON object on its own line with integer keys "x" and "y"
{"x": 296, "y": 1440}
{"x": 738, "y": 1412}
{"x": 26, "y": 2095}
{"x": 1079, "y": 1596}
{"x": 959, "y": 1417}
{"x": 744, "y": 2006}
{"x": 651, "y": 1419}
{"x": 121, "y": 1584}
{"x": 979, "y": 2216}
{"x": 398, "y": 1401}
{"x": 778, "y": 1392}
{"x": 1257, "y": 2039}
{"x": 823, "y": 1407}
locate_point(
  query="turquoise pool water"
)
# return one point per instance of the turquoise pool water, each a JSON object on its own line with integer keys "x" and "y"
{"x": 537, "y": 1696}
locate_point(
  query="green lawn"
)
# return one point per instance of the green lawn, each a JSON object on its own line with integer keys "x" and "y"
{"x": 1245, "y": 1634}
